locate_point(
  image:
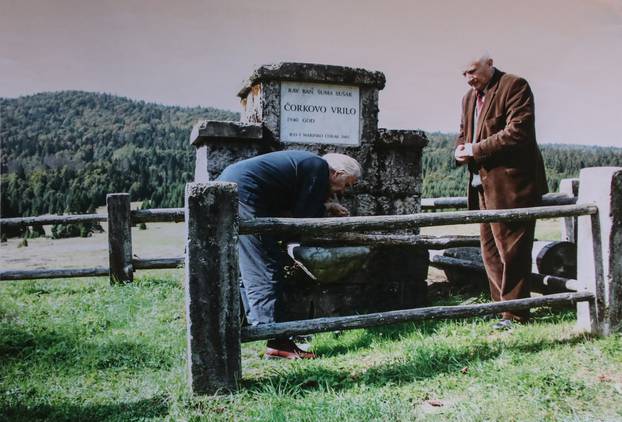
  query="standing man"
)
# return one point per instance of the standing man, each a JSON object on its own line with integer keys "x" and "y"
{"x": 497, "y": 141}
{"x": 283, "y": 183}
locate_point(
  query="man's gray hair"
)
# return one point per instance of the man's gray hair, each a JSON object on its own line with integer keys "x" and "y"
{"x": 344, "y": 163}
{"x": 483, "y": 57}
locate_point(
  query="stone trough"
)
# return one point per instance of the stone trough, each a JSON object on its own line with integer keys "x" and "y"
{"x": 354, "y": 279}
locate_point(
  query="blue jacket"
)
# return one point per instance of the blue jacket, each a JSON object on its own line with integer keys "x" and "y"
{"x": 283, "y": 182}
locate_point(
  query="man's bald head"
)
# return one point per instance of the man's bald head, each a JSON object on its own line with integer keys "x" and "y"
{"x": 479, "y": 71}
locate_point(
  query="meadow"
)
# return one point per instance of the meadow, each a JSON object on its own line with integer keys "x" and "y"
{"x": 84, "y": 350}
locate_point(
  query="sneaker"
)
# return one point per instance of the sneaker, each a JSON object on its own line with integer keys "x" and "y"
{"x": 503, "y": 325}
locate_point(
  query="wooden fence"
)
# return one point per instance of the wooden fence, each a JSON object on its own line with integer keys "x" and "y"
{"x": 120, "y": 220}
{"x": 212, "y": 284}
{"x": 212, "y": 274}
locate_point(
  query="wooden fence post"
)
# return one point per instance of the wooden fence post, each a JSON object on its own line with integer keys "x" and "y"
{"x": 599, "y": 253}
{"x": 569, "y": 224}
{"x": 119, "y": 238}
{"x": 212, "y": 287}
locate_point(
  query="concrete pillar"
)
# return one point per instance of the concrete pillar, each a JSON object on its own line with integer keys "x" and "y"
{"x": 219, "y": 144}
{"x": 201, "y": 170}
{"x": 119, "y": 238}
{"x": 569, "y": 224}
{"x": 599, "y": 255}
{"x": 211, "y": 286}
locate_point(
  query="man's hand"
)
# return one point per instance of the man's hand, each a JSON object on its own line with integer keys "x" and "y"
{"x": 462, "y": 154}
{"x": 334, "y": 209}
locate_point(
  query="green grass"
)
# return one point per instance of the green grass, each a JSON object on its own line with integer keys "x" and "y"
{"x": 83, "y": 350}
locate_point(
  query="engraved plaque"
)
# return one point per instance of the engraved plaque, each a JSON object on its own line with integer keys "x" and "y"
{"x": 320, "y": 113}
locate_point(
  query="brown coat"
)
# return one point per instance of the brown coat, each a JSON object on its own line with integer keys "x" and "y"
{"x": 507, "y": 156}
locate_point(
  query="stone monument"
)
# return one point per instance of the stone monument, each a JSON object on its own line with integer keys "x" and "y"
{"x": 324, "y": 108}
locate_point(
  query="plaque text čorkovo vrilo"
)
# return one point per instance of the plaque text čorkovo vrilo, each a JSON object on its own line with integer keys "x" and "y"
{"x": 319, "y": 113}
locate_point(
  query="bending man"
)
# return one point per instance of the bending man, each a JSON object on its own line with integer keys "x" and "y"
{"x": 283, "y": 183}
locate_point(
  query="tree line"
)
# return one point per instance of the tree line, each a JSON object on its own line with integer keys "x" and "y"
{"x": 62, "y": 152}
{"x": 441, "y": 177}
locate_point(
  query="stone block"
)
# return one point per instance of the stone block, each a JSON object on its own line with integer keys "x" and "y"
{"x": 599, "y": 250}
{"x": 207, "y": 130}
{"x": 261, "y": 93}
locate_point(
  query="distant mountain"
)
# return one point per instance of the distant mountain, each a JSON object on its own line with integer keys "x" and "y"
{"x": 64, "y": 151}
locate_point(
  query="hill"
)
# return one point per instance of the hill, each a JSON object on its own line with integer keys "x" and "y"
{"x": 64, "y": 151}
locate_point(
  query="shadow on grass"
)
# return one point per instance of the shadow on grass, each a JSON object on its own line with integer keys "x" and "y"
{"x": 70, "y": 411}
{"x": 71, "y": 349}
{"x": 425, "y": 362}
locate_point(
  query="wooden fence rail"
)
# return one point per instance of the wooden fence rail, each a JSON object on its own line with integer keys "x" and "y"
{"x": 428, "y": 242}
{"x": 120, "y": 219}
{"x": 318, "y": 325}
{"x": 158, "y": 263}
{"x": 158, "y": 215}
{"x": 48, "y": 273}
{"x": 9, "y": 275}
{"x": 323, "y": 226}
{"x": 154, "y": 215}
{"x": 5, "y": 223}
{"x": 557, "y": 198}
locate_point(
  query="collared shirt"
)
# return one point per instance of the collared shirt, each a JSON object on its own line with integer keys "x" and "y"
{"x": 476, "y": 112}
{"x": 477, "y": 181}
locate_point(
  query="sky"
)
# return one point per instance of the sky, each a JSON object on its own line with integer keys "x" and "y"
{"x": 198, "y": 52}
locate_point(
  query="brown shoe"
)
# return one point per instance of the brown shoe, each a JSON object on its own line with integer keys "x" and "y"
{"x": 286, "y": 349}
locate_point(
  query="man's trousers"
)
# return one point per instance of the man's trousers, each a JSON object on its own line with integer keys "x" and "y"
{"x": 506, "y": 251}
{"x": 261, "y": 273}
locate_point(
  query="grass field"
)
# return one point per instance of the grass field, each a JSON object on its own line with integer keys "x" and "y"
{"x": 84, "y": 350}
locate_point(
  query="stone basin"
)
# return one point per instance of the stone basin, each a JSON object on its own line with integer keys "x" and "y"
{"x": 331, "y": 264}
{"x": 353, "y": 279}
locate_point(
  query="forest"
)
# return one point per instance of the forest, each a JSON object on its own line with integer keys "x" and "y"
{"x": 442, "y": 178}
{"x": 62, "y": 152}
